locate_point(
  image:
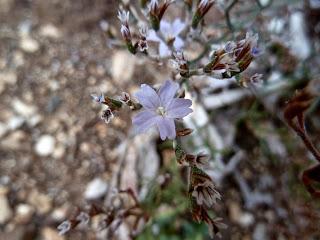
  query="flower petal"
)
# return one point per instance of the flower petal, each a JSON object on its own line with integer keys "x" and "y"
{"x": 145, "y": 120}
{"x": 178, "y": 43}
{"x": 152, "y": 36}
{"x": 164, "y": 51}
{"x": 166, "y": 28}
{"x": 166, "y": 128}
{"x": 167, "y": 92}
{"x": 148, "y": 97}
{"x": 178, "y": 26}
{"x": 179, "y": 108}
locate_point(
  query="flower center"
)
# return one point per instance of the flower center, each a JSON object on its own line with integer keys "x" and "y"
{"x": 161, "y": 111}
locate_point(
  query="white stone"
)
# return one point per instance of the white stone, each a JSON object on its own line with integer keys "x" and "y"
{"x": 23, "y": 109}
{"x": 264, "y": 2}
{"x": 246, "y": 219}
{"x": 198, "y": 117}
{"x": 34, "y": 120}
{"x": 59, "y": 214}
{"x": 5, "y": 210}
{"x": 15, "y": 122}
{"x": 96, "y": 189}
{"x": 123, "y": 64}
{"x": 260, "y": 232}
{"x": 41, "y": 202}
{"x": 29, "y": 45}
{"x": 24, "y": 28}
{"x": 24, "y": 213}
{"x": 3, "y": 129}
{"x": 6, "y": 5}
{"x": 59, "y": 151}
{"x": 45, "y": 145}
{"x": 50, "y": 31}
{"x": 8, "y": 77}
{"x": 224, "y": 98}
{"x": 13, "y": 140}
{"x": 300, "y": 44}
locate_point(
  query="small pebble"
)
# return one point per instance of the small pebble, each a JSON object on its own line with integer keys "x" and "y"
{"x": 96, "y": 189}
{"x": 45, "y": 145}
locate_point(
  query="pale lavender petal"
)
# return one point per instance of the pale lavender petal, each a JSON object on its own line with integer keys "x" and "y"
{"x": 166, "y": 128}
{"x": 165, "y": 28}
{"x": 179, "y": 108}
{"x": 148, "y": 97}
{"x": 178, "y": 26}
{"x": 255, "y": 51}
{"x": 145, "y": 120}
{"x": 167, "y": 92}
{"x": 178, "y": 43}
{"x": 164, "y": 51}
{"x": 152, "y": 36}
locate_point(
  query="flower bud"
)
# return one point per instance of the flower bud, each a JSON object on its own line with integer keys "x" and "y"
{"x": 107, "y": 115}
{"x": 184, "y": 132}
{"x": 202, "y": 9}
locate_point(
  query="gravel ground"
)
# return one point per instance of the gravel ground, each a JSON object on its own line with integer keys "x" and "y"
{"x": 57, "y": 154}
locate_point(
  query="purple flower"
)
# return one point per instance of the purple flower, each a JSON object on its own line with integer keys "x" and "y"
{"x": 160, "y": 109}
{"x": 168, "y": 34}
{"x": 98, "y": 98}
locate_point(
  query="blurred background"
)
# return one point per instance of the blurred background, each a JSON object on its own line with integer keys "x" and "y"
{"x": 56, "y": 154}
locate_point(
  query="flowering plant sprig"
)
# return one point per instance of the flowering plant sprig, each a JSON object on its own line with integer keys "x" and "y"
{"x": 163, "y": 107}
{"x": 111, "y": 217}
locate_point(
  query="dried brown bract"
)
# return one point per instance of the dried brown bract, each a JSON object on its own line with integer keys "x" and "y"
{"x": 294, "y": 114}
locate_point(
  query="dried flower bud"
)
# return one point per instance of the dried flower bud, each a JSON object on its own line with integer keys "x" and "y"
{"x": 202, "y": 9}
{"x": 107, "y": 115}
{"x": 202, "y": 188}
{"x": 246, "y": 50}
{"x": 199, "y": 214}
{"x": 200, "y": 160}
{"x": 255, "y": 79}
{"x": 179, "y": 63}
{"x": 184, "y": 132}
{"x": 125, "y": 32}
{"x": 234, "y": 58}
{"x": 153, "y": 13}
{"x": 296, "y": 106}
{"x": 214, "y": 226}
{"x": 143, "y": 3}
{"x": 230, "y": 46}
{"x": 125, "y": 97}
{"x": 156, "y": 12}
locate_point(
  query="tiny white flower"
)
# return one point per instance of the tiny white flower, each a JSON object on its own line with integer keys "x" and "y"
{"x": 123, "y": 16}
{"x": 64, "y": 227}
